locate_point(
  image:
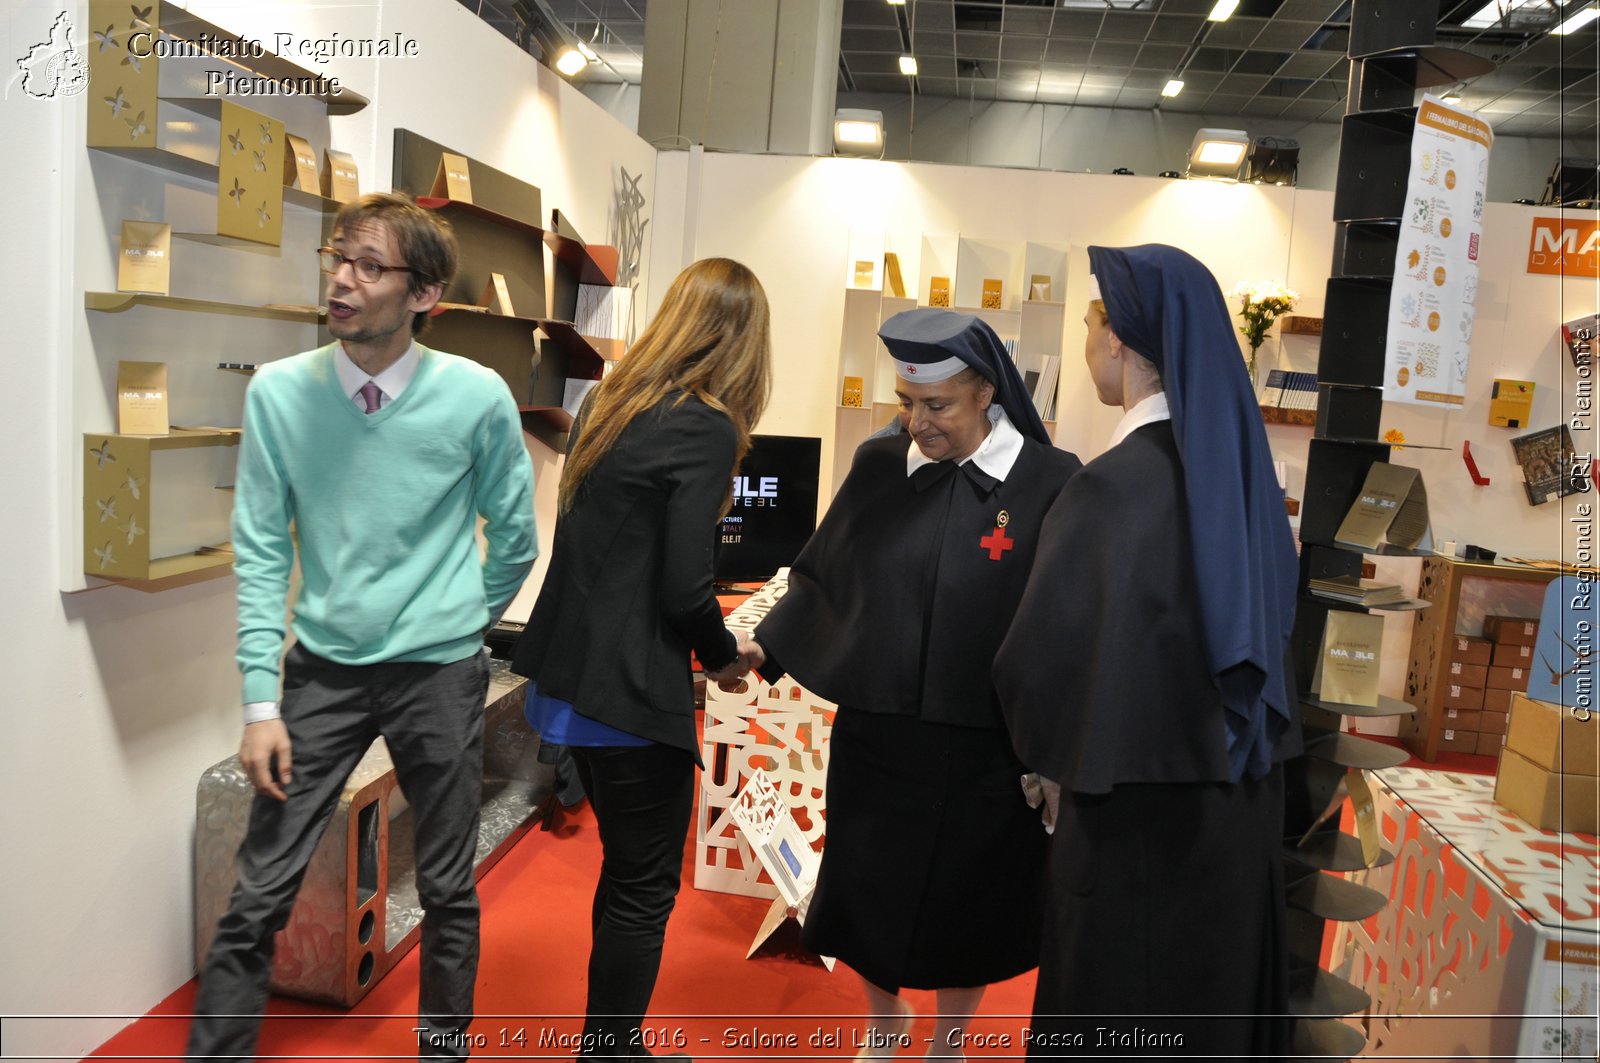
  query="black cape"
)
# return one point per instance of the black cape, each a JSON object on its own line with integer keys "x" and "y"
{"x": 1103, "y": 676}
{"x": 900, "y": 599}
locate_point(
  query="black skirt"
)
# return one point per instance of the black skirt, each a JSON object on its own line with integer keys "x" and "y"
{"x": 1165, "y": 927}
{"x": 933, "y": 872}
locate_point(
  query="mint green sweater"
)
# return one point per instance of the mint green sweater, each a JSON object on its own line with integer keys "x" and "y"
{"x": 383, "y": 508}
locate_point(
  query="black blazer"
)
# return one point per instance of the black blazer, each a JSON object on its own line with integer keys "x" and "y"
{"x": 629, "y": 590}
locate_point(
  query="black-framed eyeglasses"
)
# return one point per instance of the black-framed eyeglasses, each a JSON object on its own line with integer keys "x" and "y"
{"x": 367, "y": 270}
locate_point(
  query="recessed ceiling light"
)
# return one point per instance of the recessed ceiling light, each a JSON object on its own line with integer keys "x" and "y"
{"x": 1223, "y": 10}
{"x": 908, "y": 65}
{"x": 1172, "y": 88}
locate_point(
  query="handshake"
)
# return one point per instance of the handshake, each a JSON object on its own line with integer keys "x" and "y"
{"x": 730, "y": 677}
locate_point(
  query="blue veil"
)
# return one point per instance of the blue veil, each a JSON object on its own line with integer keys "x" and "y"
{"x": 1166, "y": 306}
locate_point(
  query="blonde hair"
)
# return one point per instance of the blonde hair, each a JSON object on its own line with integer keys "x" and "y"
{"x": 711, "y": 339}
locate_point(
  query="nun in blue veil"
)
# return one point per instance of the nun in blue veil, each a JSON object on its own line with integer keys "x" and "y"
{"x": 933, "y": 873}
{"x": 1145, "y": 678}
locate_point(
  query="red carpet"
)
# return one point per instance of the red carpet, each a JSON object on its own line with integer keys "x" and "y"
{"x": 710, "y": 1002}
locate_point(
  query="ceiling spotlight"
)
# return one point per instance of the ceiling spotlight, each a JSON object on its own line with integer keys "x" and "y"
{"x": 1577, "y": 21}
{"x": 897, "y": 3}
{"x": 588, "y": 53}
{"x": 559, "y": 46}
{"x": 908, "y": 65}
{"x": 1223, "y": 10}
{"x": 1173, "y": 87}
{"x": 1452, "y": 99}
{"x": 858, "y": 132}
{"x": 1217, "y": 153}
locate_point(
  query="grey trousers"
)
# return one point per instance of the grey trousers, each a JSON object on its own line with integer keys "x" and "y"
{"x": 431, "y": 716}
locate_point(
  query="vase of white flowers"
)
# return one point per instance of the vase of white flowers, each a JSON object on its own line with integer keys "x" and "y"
{"x": 1259, "y": 305}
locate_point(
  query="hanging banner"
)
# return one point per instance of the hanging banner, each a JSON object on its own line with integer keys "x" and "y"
{"x": 1436, "y": 263}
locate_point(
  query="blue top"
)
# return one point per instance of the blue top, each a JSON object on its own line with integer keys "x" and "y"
{"x": 1166, "y": 306}
{"x": 559, "y": 724}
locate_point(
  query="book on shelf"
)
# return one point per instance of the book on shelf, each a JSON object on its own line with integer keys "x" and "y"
{"x": 1391, "y": 507}
{"x": 891, "y": 275}
{"x": 1299, "y": 391}
{"x": 991, "y": 298}
{"x": 1272, "y": 390}
{"x": 1579, "y": 335}
{"x": 1044, "y": 392}
{"x": 1550, "y": 467}
{"x": 1347, "y": 666}
{"x": 854, "y": 388}
{"x": 1510, "y": 402}
{"x": 1358, "y": 591}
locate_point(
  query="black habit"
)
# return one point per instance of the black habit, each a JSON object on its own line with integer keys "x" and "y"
{"x": 932, "y": 875}
{"x": 1166, "y": 877}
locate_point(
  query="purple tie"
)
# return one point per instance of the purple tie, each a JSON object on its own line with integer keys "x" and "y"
{"x": 369, "y": 392}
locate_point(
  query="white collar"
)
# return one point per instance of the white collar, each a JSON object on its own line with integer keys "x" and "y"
{"x": 392, "y": 381}
{"x": 1148, "y": 410}
{"x": 995, "y": 455}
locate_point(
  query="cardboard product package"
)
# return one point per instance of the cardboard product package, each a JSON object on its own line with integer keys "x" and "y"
{"x": 1490, "y": 745}
{"x": 1463, "y": 719}
{"x": 1494, "y": 723}
{"x": 1547, "y": 799}
{"x": 1469, "y": 649}
{"x": 1512, "y": 630}
{"x": 1512, "y": 655}
{"x": 1463, "y": 697}
{"x": 1453, "y": 740}
{"x": 1508, "y": 678}
{"x": 1497, "y": 700}
{"x": 1551, "y": 737}
{"x": 1469, "y": 675}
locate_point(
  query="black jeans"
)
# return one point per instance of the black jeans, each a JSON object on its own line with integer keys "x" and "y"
{"x": 431, "y": 716}
{"x": 642, "y": 799}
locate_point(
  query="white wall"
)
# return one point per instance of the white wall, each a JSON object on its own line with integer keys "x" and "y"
{"x": 116, "y": 701}
{"x": 790, "y": 220}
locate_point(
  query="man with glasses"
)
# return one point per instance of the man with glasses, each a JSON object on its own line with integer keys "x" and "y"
{"x": 373, "y": 457}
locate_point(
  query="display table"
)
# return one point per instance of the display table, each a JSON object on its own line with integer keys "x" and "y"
{"x": 1490, "y": 944}
{"x": 780, "y": 728}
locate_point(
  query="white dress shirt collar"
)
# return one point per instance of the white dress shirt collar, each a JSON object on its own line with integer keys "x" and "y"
{"x": 391, "y": 382}
{"x": 995, "y": 455}
{"x": 1148, "y": 410}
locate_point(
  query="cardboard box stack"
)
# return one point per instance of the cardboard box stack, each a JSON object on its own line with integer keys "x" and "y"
{"x": 1550, "y": 769}
{"x": 1464, "y": 693}
{"x": 1511, "y": 640}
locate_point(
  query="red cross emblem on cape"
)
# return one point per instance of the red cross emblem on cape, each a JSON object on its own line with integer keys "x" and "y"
{"x": 996, "y": 542}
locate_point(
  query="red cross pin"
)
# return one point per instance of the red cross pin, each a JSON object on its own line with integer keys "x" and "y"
{"x": 996, "y": 542}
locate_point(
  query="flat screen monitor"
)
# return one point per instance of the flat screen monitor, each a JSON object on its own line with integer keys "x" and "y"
{"x": 774, "y": 508}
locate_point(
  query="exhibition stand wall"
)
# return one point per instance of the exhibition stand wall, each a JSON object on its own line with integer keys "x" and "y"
{"x": 119, "y": 700}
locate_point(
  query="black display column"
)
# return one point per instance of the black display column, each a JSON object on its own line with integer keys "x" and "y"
{"x": 1391, "y": 56}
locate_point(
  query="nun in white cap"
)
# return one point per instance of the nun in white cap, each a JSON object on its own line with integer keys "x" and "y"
{"x": 932, "y": 874}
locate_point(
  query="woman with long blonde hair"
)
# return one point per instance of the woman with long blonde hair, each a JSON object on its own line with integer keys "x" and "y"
{"x": 649, "y": 473}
